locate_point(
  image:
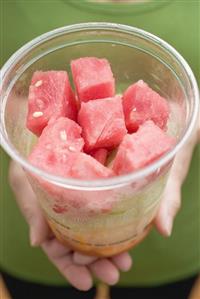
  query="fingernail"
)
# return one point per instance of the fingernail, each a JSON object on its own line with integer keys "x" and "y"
{"x": 33, "y": 238}
{"x": 168, "y": 226}
{"x": 128, "y": 265}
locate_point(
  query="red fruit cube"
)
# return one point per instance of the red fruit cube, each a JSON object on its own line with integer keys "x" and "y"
{"x": 93, "y": 78}
{"x": 102, "y": 122}
{"x": 141, "y": 148}
{"x": 50, "y": 97}
{"x": 141, "y": 103}
{"x": 100, "y": 155}
{"x": 86, "y": 167}
{"x": 57, "y": 141}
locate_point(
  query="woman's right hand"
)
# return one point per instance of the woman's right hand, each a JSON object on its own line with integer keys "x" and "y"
{"x": 77, "y": 268}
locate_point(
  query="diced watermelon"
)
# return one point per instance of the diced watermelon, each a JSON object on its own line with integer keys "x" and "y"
{"x": 76, "y": 165}
{"x": 141, "y": 103}
{"x": 100, "y": 155}
{"x": 58, "y": 152}
{"x": 57, "y": 141}
{"x": 102, "y": 122}
{"x": 63, "y": 134}
{"x": 93, "y": 78}
{"x": 50, "y": 96}
{"x": 141, "y": 148}
{"x": 56, "y": 162}
{"x": 86, "y": 167}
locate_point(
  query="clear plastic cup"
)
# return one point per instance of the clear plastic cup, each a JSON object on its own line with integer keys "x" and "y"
{"x": 106, "y": 216}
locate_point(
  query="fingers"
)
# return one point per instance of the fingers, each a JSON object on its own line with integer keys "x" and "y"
{"x": 171, "y": 201}
{"x": 54, "y": 248}
{"x": 79, "y": 276}
{"x": 82, "y": 259}
{"x": 75, "y": 267}
{"x": 39, "y": 230}
{"x": 169, "y": 207}
{"x": 28, "y": 204}
{"x": 105, "y": 270}
{"x": 182, "y": 161}
{"x": 123, "y": 261}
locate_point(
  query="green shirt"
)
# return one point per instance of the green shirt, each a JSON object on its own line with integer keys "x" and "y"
{"x": 157, "y": 260}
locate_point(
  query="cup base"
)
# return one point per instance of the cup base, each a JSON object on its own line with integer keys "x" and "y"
{"x": 97, "y": 249}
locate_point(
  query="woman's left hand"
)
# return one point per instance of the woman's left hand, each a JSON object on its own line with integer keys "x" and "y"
{"x": 171, "y": 201}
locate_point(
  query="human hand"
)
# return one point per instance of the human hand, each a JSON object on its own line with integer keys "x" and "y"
{"x": 78, "y": 269}
{"x": 171, "y": 201}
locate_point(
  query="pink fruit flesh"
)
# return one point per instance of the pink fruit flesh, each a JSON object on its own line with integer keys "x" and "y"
{"x": 57, "y": 141}
{"x": 62, "y": 134}
{"x": 58, "y": 152}
{"x": 100, "y": 155}
{"x": 50, "y": 97}
{"x": 103, "y": 119}
{"x": 102, "y": 122}
{"x": 141, "y": 148}
{"x": 93, "y": 78}
{"x": 88, "y": 168}
{"x": 141, "y": 103}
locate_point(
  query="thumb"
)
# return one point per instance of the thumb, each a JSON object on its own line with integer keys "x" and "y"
{"x": 39, "y": 230}
{"x": 169, "y": 207}
{"x": 28, "y": 204}
{"x": 171, "y": 200}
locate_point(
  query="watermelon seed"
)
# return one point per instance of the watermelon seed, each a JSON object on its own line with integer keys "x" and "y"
{"x": 37, "y": 113}
{"x": 63, "y": 135}
{"x": 134, "y": 109}
{"x": 72, "y": 149}
{"x": 38, "y": 83}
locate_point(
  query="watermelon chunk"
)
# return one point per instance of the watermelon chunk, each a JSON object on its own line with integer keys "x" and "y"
{"x": 50, "y": 96}
{"x": 141, "y": 103}
{"x": 93, "y": 78}
{"x": 58, "y": 151}
{"x": 57, "y": 141}
{"x": 86, "y": 167}
{"x": 63, "y": 134}
{"x": 100, "y": 155}
{"x": 141, "y": 148}
{"x": 102, "y": 122}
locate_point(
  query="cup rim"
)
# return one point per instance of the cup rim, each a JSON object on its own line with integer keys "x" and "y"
{"x": 103, "y": 183}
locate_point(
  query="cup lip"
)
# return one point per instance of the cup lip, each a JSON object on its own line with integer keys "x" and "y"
{"x": 121, "y": 180}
